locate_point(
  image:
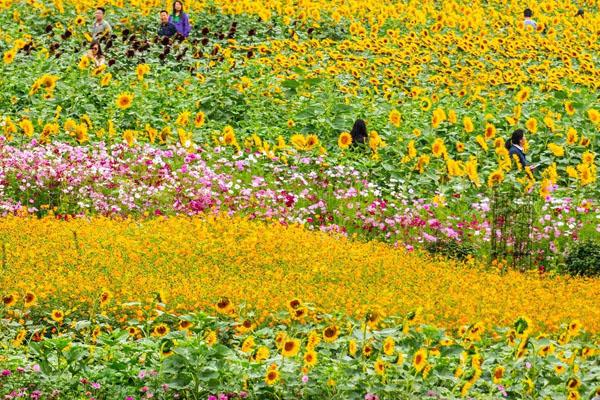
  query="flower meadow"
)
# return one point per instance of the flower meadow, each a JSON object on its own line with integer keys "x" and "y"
{"x": 174, "y": 317}
{"x": 192, "y": 219}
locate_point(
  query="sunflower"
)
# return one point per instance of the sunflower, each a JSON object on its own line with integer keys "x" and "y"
{"x": 105, "y": 297}
{"x": 495, "y": 178}
{"x": 183, "y": 118}
{"x": 160, "y": 330}
{"x": 141, "y": 70}
{"x": 9, "y": 56}
{"x": 132, "y": 330}
{"x": 522, "y": 326}
{"x": 105, "y": 79}
{"x": 57, "y": 315}
{"x": 490, "y": 131}
{"x": 261, "y": 354}
{"x": 438, "y": 148}
{"x": 229, "y": 138}
{"x": 224, "y": 306}
{"x": 569, "y": 108}
{"x": 27, "y": 127}
{"x": 394, "y": 118}
{"x": 300, "y": 313}
{"x": 185, "y": 325}
{"x": 9, "y": 300}
{"x": 291, "y": 123}
{"x": 574, "y": 327}
{"x": 294, "y": 304}
{"x": 557, "y": 150}
{"x": 460, "y": 147}
{"x": 481, "y": 142}
{"x": 379, "y": 367}
{"x": 199, "y": 119}
{"x": 420, "y": 359}
{"x": 352, "y": 347}
{"x": 290, "y": 347}
{"x": 573, "y": 395}
{"x": 468, "y": 125}
{"x": 299, "y": 141}
{"x": 572, "y": 136}
{"x": 523, "y": 95}
{"x": 248, "y": 344}
{"x": 29, "y": 299}
{"x": 389, "y": 346}
{"x": 124, "y": 100}
{"x": 85, "y": 62}
{"x": 129, "y": 137}
{"x": 559, "y": 369}
{"x": 272, "y": 377}
{"x": 344, "y": 140}
{"x": 367, "y": 350}
{"x": 594, "y": 115}
{"x": 498, "y": 374}
{"x": 331, "y": 333}
{"x": 311, "y": 142}
{"x": 531, "y": 125}
{"x": 584, "y": 141}
{"x": 19, "y": 338}
{"x": 573, "y": 383}
{"x": 310, "y": 358}
{"x": 425, "y": 104}
{"x": 211, "y": 338}
{"x": 245, "y": 326}
{"x": 587, "y": 158}
{"x": 546, "y": 350}
{"x": 79, "y": 20}
{"x": 452, "y": 117}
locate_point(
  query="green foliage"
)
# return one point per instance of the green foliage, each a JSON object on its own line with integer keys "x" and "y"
{"x": 584, "y": 259}
{"x": 452, "y": 249}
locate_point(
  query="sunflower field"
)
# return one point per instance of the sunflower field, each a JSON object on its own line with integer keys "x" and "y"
{"x": 191, "y": 219}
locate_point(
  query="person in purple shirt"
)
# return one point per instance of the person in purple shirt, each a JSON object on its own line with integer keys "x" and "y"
{"x": 180, "y": 19}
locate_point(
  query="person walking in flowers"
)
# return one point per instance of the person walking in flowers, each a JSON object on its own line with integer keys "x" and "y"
{"x": 515, "y": 144}
{"x": 100, "y": 28}
{"x": 180, "y": 19}
{"x": 528, "y": 21}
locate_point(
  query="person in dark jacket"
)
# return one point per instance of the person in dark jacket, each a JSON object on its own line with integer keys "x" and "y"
{"x": 166, "y": 28}
{"x": 359, "y": 133}
{"x": 515, "y": 144}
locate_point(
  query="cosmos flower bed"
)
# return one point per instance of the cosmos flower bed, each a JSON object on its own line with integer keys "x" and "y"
{"x": 119, "y": 180}
{"x": 192, "y": 308}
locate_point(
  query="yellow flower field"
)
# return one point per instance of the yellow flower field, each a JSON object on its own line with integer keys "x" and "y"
{"x": 191, "y": 263}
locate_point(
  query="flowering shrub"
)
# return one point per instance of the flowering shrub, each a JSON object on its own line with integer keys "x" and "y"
{"x": 584, "y": 259}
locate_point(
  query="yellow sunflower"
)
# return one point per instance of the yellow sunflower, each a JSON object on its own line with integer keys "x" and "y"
{"x": 344, "y": 140}
{"x": 290, "y": 347}
{"x": 331, "y": 333}
{"x": 57, "y": 315}
{"x": 310, "y": 358}
{"x": 272, "y": 377}
{"x": 160, "y": 330}
{"x": 124, "y": 100}
{"x": 420, "y": 359}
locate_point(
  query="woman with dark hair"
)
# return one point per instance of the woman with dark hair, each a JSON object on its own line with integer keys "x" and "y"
{"x": 95, "y": 54}
{"x": 180, "y": 19}
{"x": 515, "y": 144}
{"x": 359, "y": 132}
